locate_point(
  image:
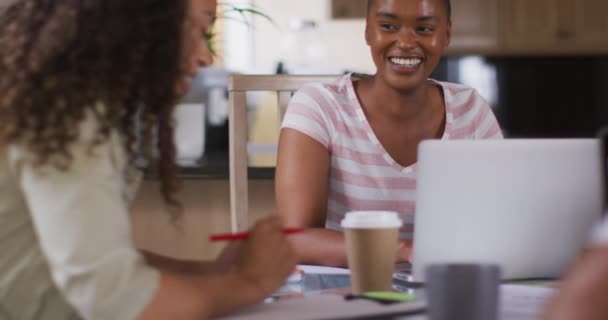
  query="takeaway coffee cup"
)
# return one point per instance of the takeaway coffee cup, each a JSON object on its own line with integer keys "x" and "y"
{"x": 371, "y": 245}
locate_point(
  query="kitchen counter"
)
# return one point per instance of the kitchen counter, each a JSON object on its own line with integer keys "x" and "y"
{"x": 214, "y": 166}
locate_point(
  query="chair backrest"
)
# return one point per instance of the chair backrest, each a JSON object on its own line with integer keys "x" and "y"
{"x": 239, "y": 85}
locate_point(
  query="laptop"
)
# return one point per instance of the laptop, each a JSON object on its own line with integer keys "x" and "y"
{"x": 526, "y": 205}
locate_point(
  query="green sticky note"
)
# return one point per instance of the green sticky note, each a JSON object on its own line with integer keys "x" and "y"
{"x": 390, "y": 296}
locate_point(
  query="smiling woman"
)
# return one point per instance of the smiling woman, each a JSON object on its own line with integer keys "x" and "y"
{"x": 352, "y": 144}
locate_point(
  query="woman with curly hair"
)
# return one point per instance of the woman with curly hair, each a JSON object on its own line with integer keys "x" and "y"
{"x": 75, "y": 76}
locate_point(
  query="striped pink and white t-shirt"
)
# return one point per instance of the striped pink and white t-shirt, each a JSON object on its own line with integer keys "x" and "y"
{"x": 363, "y": 176}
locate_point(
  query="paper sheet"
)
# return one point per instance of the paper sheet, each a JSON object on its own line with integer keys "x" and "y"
{"x": 324, "y": 306}
{"x": 322, "y": 270}
{"x": 523, "y": 302}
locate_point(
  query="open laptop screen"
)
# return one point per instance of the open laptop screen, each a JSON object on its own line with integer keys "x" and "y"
{"x": 527, "y": 205}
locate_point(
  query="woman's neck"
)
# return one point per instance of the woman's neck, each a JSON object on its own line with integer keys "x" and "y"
{"x": 386, "y": 102}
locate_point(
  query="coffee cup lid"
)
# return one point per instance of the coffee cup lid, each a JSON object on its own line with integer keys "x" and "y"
{"x": 371, "y": 219}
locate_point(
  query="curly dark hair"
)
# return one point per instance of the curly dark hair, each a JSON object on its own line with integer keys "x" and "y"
{"x": 60, "y": 58}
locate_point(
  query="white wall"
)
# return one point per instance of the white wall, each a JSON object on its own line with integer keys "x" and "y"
{"x": 343, "y": 39}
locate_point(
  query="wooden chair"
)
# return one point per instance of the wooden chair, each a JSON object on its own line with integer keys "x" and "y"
{"x": 239, "y": 85}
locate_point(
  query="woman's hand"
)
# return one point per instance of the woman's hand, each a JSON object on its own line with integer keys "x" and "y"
{"x": 228, "y": 259}
{"x": 404, "y": 251}
{"x": 267, "y": 257}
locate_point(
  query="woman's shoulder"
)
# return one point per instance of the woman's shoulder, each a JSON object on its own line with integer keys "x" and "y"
{"x": 456, "y": 89}
{"x": 460, "y": 97}
{"x": 335, "y": 89}
{"x": 87, "y": 142}
{"x": 331, "y": 100}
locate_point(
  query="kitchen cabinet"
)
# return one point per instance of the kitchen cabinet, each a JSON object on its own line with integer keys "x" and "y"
{"x": 555, "y": 26}
{"x": 591, "y": 24}
{"x": 475, "y": 24}
{"x": 531, "y": 23}
{"x": 348, "y": 9}
{"x": 518, "y": 27}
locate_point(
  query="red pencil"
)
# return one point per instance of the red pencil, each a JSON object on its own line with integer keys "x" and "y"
{"x": 244, "y": 235}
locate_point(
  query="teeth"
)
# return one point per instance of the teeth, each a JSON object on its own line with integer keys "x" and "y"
{"x": 406, "y": 62}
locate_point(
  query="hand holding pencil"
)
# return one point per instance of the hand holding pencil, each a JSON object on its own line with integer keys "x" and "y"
{"x": 268, "y": 258}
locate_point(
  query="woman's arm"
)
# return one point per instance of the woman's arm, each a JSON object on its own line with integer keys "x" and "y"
{"x": 178, "y": 266}
{"x": 302, "y": 183}
{"x": 182, "y": 297}
{"x": 266, "y": 262}
{"x": 227, "y": 259}
{"x": 583, "y": 294}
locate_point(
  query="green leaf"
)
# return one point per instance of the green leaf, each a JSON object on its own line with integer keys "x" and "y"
{"x": 242, "y": 13}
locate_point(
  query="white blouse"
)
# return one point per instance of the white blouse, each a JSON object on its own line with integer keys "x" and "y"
{"x": 66, "y": 250}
